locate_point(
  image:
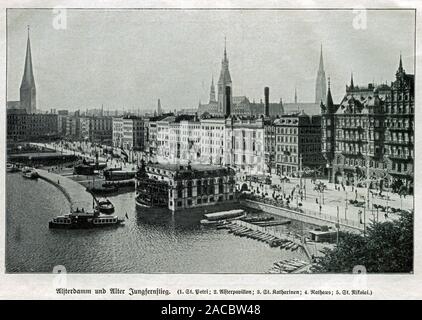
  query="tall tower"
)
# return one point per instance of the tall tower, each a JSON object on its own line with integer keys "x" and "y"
{"x": 27, "y": 89}
{"x": 321, "y": 86}
{"x": 159, "y": 110}
{"x": 223, "y": 82}
{"x": 295, "y": 96}
{"x": 212, "y": 91}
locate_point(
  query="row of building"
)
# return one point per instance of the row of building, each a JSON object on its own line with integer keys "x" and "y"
{"x": 370, "y": 133}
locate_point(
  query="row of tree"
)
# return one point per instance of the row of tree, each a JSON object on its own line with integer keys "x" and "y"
{"x": 385, "y": 248}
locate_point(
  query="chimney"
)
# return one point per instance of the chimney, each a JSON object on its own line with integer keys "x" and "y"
{"x": 267, "y": 101}
{"x": 228, "y": 100}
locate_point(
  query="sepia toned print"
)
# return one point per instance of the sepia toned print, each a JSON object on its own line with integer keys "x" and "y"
{"x": 210, "y": 141}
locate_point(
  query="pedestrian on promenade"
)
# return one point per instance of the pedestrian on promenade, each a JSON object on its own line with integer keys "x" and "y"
{"x": 316, "y": 200}
{"x": 58, "y": 181}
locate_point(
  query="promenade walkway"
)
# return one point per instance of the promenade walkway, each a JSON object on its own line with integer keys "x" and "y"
{"x": 75, "y": 193}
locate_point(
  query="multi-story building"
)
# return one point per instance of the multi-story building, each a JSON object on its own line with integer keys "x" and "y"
{"x": 270, "y": 144}
{"x": 101, "y": 130}
{"x": 62, "y": 119}
{"x": 244, "y": 144}
{"x": 73, "y": 126}
{"x": 22, "y": 126}
{"x": 298, "y": 143}
{"x": 212, "y": 140}
{"x": 163, "y": 137}
{"x": 372, "y": 133}
{"x": 84, "y": 124}
{"x": 117, "y": 124}
{"x": 151, "y": 135}
{"x": 179, "y": 138}
{"x": 179, "y": 187}
{"x": 133, "y": 137}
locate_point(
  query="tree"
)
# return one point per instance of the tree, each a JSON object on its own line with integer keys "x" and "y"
{"x": 387, "y": 247}
{"x": 396, "y": 185}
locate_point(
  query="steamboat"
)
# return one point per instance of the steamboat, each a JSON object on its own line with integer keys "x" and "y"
{"x": 84, "y": 220}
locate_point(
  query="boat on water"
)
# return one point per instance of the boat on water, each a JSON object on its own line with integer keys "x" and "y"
{"x": 222, "y": 221}
{"x": 104, "y": 206}
{"x": 11, "y": 167}
{"x": 224, "y": 215}
{"x": 30, "y": 173}
{"x": 84, "y": 220}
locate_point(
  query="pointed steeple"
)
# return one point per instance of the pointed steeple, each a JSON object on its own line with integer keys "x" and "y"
{"x": 212, "y": 90}
{"x": 400, "y": 64}
{"x": 352, "y": 85}
{"x": 223, "y": 82}
{"x": 27, "y": 88}
{"x": 295, "y": 95}
{"x": 320, "y": 86}
{"x": 329, "y": 102}
{"x": 321, "y": 61}
{"x": 28, "y": 76}
{"x": 400, "y": 70}
{"x": 225, "y": 74}
{"x": 225, "y": 49}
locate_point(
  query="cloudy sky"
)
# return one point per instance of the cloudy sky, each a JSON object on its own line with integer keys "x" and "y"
{"x": 130, "y": 58}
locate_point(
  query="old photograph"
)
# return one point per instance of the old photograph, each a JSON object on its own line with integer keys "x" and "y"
{"x": 185, "y": 141}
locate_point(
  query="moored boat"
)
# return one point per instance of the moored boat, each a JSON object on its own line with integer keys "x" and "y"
{"x": 105, "y": 206}
{"x": 10, "y": 167}
{"x": 30, "y": 173}
{"x": 84, "y": 220}
{"x": 225, "y": 215}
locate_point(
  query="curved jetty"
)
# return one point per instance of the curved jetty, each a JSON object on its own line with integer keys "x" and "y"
{"x": 75, "y": 193}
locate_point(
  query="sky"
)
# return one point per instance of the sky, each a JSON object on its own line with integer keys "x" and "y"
{"x": 127, "y": 59}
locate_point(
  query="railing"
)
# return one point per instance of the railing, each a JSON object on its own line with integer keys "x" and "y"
{"x": 299, "y": 211}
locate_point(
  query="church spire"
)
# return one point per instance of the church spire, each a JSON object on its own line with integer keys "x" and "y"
{"x": 295, "y": 95}
{"x": 320, "y": 85}
{"x": 400, "y": 70}
{"x": 321, "y": 61}
{"x": 27, "y": 89}
{"x": 225, "y": 49}
{"x": 352, "y": 85}
{"x": 212, "y": 90}
{"x": 223, "y": 82}
{"x": 330, "y": 102}
{"x": 28, "y": 75}
{"x": 400, "y": 64}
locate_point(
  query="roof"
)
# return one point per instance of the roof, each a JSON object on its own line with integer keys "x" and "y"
{"x": 13, "y": 104}
{"x": 309, "y": 108}
{"x": 194, "y": 171}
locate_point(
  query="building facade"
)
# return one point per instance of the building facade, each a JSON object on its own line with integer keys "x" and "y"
{"x": 133, "y": 137}
{"x": 22, "y": 126}
{"x": 212, "y": 140}
{"x": 245, "y": 144}
{"x": 117, "y": 124}
{"x": 186, "y": 186}
{"x": 372, "y": 134}
{"x": 298, "y": 144}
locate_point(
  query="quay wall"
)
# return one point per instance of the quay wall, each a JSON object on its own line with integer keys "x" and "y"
{"x": 319, "y": 220}
{"x": 74, "y": 192}
{"x": 63, "y": 190}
